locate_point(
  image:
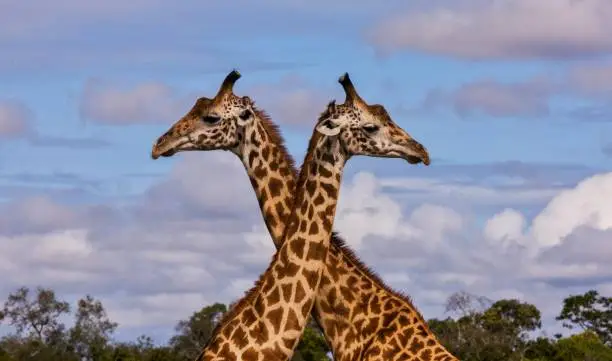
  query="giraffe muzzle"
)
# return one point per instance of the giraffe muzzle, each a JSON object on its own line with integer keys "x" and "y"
{"x": 156, "y": 154}
{"x": 414, "y": 152}
{"x": 163, "y": 148}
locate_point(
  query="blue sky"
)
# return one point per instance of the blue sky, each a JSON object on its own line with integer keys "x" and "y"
{"x": 515, "y": 114}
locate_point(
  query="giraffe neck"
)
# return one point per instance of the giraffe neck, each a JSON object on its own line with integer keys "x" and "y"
{"x": 268, "y": 323}
{"x": 273, "y": 176}
{"x": 272, "y": 173}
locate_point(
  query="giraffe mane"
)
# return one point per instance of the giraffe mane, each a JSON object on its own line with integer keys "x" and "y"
{"x": 276, "y": 137}
{"x": 336, "y": 240}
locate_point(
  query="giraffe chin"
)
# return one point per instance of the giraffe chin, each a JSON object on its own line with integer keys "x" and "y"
{"x": 169, "y": 153}
{"x": 166, "y": 154}
{"x": 416, "y": 160}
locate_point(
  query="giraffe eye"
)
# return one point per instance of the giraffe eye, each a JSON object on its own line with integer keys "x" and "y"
{"x": 211, "y": 119}
{"x": 246, "y": 114}
{"x": 371, "y": 128}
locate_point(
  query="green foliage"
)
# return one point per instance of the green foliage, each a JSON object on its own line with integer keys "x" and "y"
{"x": 480, "y": 330}
{"x": 37, "y": 317}
{"x": 91, "y": 333}
{"x": 512, "y": 317}
{"x": 312, "y": 346}
{"x": 589, "y": 311}
{"x": 194, "y": 333}
{"x": 585, "y": 346}
{"x": 500, "y": 330}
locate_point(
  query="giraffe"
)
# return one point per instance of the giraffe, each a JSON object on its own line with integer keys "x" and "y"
{"x": 361, "y": 317}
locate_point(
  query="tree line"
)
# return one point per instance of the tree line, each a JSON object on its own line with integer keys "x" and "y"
{"x": 477, "y": 329}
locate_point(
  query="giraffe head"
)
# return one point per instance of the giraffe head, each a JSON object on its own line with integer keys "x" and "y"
{"x": 367, "y": 129}
{"x": 210, "y": 124}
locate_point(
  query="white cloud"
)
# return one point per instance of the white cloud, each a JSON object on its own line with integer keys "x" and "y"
{"x": 570, "y": 239}
{"x": 585, "y": 205}
{"x": 188, "y": 242}
{"x": 363, "y": 211}
{"x": 113, "y": 104}
{"x": 531, "y": 97}
{"x": 505, "y": 226}
{"x": 505, "y": 29}
{"x": 36, "y": 214}
{"x": 291, "y": 100}
{"x": 20, "y": 21}
{"x": 467, "y": 193}
{"x": 493, "y": 98}
{"x": 500, "y": 258}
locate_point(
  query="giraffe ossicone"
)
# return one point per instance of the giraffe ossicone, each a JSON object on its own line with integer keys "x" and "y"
{"x": 361, "y": 317}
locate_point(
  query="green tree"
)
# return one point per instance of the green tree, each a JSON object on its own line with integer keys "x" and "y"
{"x": 312, "y": 345}
{"x": 194, "y": 333}
{"x": 509, "y": 322}
{"x": 486, "y": 331}
{"x": 585, "y": 346}
{"x": 37, "y": 317}
{"x": 142, "y": 350}
{"x": 39, "y": 334}
{"x": 589, "y": 311}
{"x": 512, "y": 316}
{"x": 541, "y": 349}
{"x": 92, "y": 330}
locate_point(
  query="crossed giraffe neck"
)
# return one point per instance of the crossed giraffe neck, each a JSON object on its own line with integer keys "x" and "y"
{"x": 268, "y": 322}
{"x": 360, "y": 316}
{"x": 353, "y": 306}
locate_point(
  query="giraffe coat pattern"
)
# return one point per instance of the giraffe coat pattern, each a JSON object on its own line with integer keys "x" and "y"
{"x": 361, "y": 317}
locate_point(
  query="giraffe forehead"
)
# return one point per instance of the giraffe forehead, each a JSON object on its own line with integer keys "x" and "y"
{"x": 232, "y": 104}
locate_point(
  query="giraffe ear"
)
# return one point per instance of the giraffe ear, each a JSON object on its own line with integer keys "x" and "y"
{"x": 245, "y": 117}
{"x": 328, "y": 127}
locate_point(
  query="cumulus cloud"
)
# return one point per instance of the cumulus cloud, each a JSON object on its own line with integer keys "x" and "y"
{"x": 188, "y": 238}
{"x": 15, "y": 119}
{"x": 141, "y": 36}
{"x": 467, "y": 193}
{"x": 23, "y": 24}
{"x": 20, "y": 22}
{"x": 504, "y": 227}
{"x": 567, "y": 244}
{"x": 589, "y": 84}
{"x": 584, "y": 205}
{"x": 509, "y": 255}
{"x": 292, "y": 100}
{"x": 16, "y": 122}
{"x": 486, "y": 29}
{"x": 112, "y": 104}
{"x": 493, "y": 98}
{"x": 189, "y": 252}
{"x": 585, "y": 253}
{"x": 35, "y": 215}
{"x": 202, "y": 183}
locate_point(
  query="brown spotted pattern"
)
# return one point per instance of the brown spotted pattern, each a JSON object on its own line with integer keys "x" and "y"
{"x": 362, "y": 318}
